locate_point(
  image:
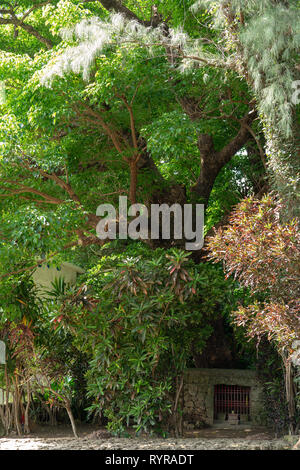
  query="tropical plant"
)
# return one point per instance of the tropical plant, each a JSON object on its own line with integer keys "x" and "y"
{"x": 262, "y": 252}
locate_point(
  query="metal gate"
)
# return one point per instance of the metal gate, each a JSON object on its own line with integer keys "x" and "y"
{"x": 231, "y": 398}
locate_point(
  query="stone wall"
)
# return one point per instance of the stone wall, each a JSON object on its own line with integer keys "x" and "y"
{"x": 198, "y": 395}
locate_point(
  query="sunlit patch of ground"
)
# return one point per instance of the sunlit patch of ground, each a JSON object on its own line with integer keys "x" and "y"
{"x": 140, "y": 444}
{"x": 60, "y": 438}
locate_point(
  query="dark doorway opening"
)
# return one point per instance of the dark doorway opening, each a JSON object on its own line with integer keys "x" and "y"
{"x": 231, "y": 400}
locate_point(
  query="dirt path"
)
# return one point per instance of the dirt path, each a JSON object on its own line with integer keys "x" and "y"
{"x": 91, "y": 438}
{"x": 140, "y": 444}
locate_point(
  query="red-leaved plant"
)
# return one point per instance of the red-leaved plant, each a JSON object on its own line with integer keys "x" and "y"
{"x": 262, "y": 252}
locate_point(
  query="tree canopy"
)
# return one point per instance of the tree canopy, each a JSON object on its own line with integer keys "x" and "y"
{"x": 163, "y": 102}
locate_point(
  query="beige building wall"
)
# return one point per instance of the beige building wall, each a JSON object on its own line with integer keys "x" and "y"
{"x": 3, "y": 397}
{"x": 46, "y": 274}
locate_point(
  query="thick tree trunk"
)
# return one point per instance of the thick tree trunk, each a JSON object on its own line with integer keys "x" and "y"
{"x": 213, "y": 161}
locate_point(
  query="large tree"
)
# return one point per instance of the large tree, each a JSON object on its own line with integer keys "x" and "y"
{"x": 158, "y": 101}
{"x": 76, "y": 132}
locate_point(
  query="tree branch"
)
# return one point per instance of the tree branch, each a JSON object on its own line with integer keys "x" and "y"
{"x": 14, "y": 20}
{"x": 212, "y": 161}
{"x": 53, "y": 177}
{"x": 26, "y": 189}
{"x": 132, "y": 124}
{"x": 88, "y": 111}
{"x": 33, "y": 8}
{"x": 118, "y": 7}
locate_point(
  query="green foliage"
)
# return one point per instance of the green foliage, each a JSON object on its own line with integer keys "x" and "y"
{"x": 262, "y": 43}
{"x": 18, "y": 300}
{"x": 150, "y": 310}
{"x": 45, "y": 130}
{"x": 86, "y": 89}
